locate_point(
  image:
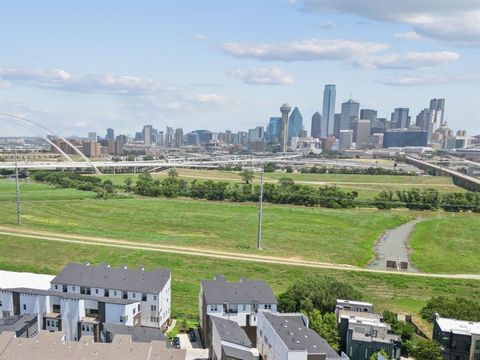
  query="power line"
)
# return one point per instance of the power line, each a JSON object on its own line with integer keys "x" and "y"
{"x": 260, "y": 213}
{"x": 19, "y": 209}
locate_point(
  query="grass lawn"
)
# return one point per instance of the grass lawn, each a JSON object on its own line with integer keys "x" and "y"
{"x": 394, "y": 292}
{"x": 448, "y": 243}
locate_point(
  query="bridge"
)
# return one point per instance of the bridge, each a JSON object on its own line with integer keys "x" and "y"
{"x": 468, "y": 182}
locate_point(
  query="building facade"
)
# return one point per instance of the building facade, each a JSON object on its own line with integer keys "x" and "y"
{"x": 328, "y": 110}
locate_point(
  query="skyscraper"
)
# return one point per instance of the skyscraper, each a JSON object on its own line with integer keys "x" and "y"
{"x": 316, "y": 131}
{"x": 295, "y": 124}
{"x": 328, "y": 112}
{"x": 350, "y": 110}
{"x": 273, "y": 130}
{"x": 283, "y": 139}
{"x": 92, "y": 136}
{"x": 400, "y": 118}
{"x": 110, "y": 134}
{"x": 147, "y": 135}
{"x": 179, "y": 137}
{"x": 361, "y": 132}
{"x": 369, "y": 114}
{"x": 437, "y": 105}
{"x": 425, "y": 121}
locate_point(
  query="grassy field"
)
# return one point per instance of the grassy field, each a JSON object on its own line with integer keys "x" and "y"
{"x": 394, "y": 292}
{"x": 367, "y": 186}
{"x": 288, "y": 231}
{"x": 448, "y": 243}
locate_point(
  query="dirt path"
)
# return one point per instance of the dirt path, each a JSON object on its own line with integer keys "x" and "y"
{"x": 125, "y": 244}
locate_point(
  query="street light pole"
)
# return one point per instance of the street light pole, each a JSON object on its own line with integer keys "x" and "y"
{"x": 260, "y": 210}
{"x": 19, "y": 210}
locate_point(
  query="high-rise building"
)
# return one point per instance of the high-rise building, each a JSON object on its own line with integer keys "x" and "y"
{"x": 295, "y": 124}
{"x": 256, "y": 139}
{"x": 193, "y": 139}
{"x": 91, "y": 149}
{"x": 179, "y": 137}
{"x": 424, "y": 121}
{"x": 169, "y": 136}
{"x": 283, "y": 138}
{"x": 336, "y": 125}
{"x": 92, "y": 136}
{"x": 122, "y": 138}
{"x": 400, "y": 118}
{"x": 328, "y": 111}
{"x": 369, "y": 114}
{"x": 138, "y": 136}
{"x": 110, "y": 134}
{"x": 147, "y": 135}
{"x": 273, "y": 130}
{"x": 438, "y": 107}
{"x": 405, "y": 137}
{"x": 316, "y": 129}
{"x": 350, "y": 111}
{"x": 345, "y": 140}
{"x": 361, "y": 132}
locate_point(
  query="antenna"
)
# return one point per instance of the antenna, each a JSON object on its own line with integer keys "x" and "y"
{"x": 260, "y": 210}
{"x": 19, "y": 210}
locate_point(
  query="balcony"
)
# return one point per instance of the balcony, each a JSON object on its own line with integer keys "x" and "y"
{"x": 123, "y": 319}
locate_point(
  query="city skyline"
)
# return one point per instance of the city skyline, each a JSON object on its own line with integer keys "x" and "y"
{"x": 215, "y": 66}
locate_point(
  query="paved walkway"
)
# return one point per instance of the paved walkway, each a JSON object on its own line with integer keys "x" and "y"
{"x": 125, "y": 244}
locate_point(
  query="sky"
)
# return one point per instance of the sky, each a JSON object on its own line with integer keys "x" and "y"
{"x": 81, "y": 66}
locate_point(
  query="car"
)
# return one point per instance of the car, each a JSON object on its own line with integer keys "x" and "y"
{"x": 192, "y": 336}
{"x": 176, "y": 342}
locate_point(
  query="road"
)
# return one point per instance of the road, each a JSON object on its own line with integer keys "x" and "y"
{"x": 192, "y": 251}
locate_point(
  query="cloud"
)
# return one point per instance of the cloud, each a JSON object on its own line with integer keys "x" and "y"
{"x": 306, "y": 50}
{"x": 411, "y": 60}
{"x": 263, "y": 76}
{"x": 457, "y": 22}
{"x": 328, "y": 25}
{"x": 200, "y": 37}
{"x": 409, "y": 35}
{"x": 427, "y": 80}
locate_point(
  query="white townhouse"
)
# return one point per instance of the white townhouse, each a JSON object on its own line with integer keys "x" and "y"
{"x": 82, "y": 297}
{"x": 238, "y": 301}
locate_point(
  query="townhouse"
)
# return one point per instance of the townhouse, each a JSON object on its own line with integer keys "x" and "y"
{"x": 229, "y": 341}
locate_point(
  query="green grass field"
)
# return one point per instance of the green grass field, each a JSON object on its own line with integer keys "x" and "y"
{"x": 336, "y": 236}
{"x": 448, "y": 243}
{"x": 394, "y": 292}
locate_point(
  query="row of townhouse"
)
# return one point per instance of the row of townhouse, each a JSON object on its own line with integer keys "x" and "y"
{"x": 83, "y": 297}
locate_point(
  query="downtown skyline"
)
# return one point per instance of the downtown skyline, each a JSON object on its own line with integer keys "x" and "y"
{"x": 217, "y": 66}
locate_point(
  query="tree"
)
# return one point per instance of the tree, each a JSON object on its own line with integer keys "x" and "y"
{"x": 289, "y": 169}
{"x": 247, "y": 176}
{"x": 380, "y": 352}
{"x": 316, "y": 292}
{"x": 325, "y": 326}
{"x": 457, "y": 308}
{"x": 128, "y": 184}
{"x": 427, "y": 350}
{"x": 173, "y": 173}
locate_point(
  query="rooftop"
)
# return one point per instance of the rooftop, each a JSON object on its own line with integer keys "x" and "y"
{"x": 137, "y": 333}
{"x": 296, "y": 335}
{"x": 353, "y": 302}
{"x": 219, "y": 291}
{"x": 106, "y": 277}
{"x": 230, "y": 331}
{"x": 15, "y": 323}
{"x": 458, "y": 326}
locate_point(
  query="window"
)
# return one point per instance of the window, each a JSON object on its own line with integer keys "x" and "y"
{"x": 244, "y": 307}
{"x": 154, "y": 297}
{"x": 134, "y": 311}
{"x": 374, "y": 333}
{"x": 138, "y": 307}
{"x": 153, "y": 308}
{"x": 214, "y": 307}
{"x": 144, "y": 297}
{"x": 48, "y": 322}
{"x": 0, "y": 303}
{"x": 96, "y": 291}
{"x": 114, "y": 292}
{"x": 73, "y": 288}
{"x": 268, "y": 306}
{"x": 24, "y": 306}
{"x": 134, "y": 295}
{"x": 56, "y": 287}
{"x": 83, "y": 327}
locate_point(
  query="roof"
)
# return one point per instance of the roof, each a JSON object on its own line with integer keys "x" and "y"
{"x": 297, "y": 336}
{"x": 230, "y": 331}
{"x": 16, "y": 322}
{"x": 219, "y": 291}
{"x": 106, "y": 277}
{"x": 51, "y": 346}
{"x": 353, "y": 302}
{"x": 458, "y": 326}
{"x": 73, "y": 296}
{"x": 137, "y": 333}
{"x": 235, "y": 353}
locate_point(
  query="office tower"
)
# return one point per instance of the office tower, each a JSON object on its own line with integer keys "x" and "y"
{"x": 147, "y": 135}
{"x": 345, "y": 140}
{"x": 110, "y": 134}
{"x": 400, "y": 118}
{"x": 295, "y": 124}
{"x": 336, "y": 125}
{"x": 283, "y": 139}
{"x": 361, "y": 132}
{"x": 328, "y": 111}
{"x": 155, "y": 136}
{"x": 438, "y": 106}
{"x": 256, "y": 139}
{"x": 92, "y": 136}
{"x": 405, "y": 137}
{"x": 424, "y": 121}
{"x": 179, "y": 137}
{"x": 273, "y": 130}
{"x": 122, "y": 138}
{"x": 169, "y": 136}
{"x": 91, "y": 149}
{"x": 193, "y": 139}
{"x": 316, "y": 129}
{"x": 350, "y": 110}
{"x": 369, "y": 114}
{"x": 228, "y": 137}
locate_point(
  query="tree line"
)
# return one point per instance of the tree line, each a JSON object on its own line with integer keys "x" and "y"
{"x": 356, "y": 171}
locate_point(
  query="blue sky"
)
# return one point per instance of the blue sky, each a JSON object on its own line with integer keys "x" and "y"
{"x": 80, "y": 66}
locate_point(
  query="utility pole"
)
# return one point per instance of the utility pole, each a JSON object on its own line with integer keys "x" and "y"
{"x": 260, "y": 210}
{"x": 19, "y": 210}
